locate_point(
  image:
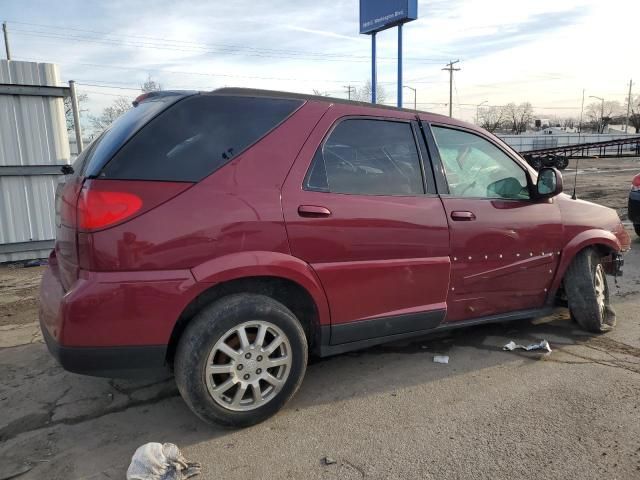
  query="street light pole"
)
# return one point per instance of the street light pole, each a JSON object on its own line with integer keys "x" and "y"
{"x": 415, "y": 95}
{"x": 601, "y": 113}
{"x": 478, "y": 111}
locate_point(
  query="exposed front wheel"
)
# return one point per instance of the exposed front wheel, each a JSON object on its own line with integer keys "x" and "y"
{"x": 240, "y": 360}
{"x": 588, "y": 292}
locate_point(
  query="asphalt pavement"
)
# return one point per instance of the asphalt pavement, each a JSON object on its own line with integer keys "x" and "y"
{"x": 385, "y": 412}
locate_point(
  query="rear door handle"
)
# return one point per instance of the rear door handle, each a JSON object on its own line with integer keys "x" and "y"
{"x": 313, "y": 211}
{"x": 463, "y": 216}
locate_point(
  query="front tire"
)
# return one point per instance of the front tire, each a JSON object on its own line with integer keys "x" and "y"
{"x": 240, "y": 360}
{"x": 588, "y": 292}
{"x": 636, "y": 227}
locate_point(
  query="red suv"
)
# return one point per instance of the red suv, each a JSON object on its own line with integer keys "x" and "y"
{"x": 229, "y": 235}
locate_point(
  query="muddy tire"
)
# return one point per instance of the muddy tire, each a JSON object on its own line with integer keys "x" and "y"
{"x": 240, "y": 360}
{"x": 588, "y": 292}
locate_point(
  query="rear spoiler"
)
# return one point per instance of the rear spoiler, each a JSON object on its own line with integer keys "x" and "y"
{"x": 161, "y": 93}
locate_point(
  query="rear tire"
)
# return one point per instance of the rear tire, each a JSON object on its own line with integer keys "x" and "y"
{"x": 224, "y": 369}
{"x": 588, "y": 292}
{"x": 636, "y": 227}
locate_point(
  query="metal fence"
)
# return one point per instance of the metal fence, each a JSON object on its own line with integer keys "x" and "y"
{"x": 33, "y": 145}
{"x": 523, "y": 143}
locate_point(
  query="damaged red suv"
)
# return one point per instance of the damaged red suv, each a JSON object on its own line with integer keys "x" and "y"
{"x": 229, "y": 235}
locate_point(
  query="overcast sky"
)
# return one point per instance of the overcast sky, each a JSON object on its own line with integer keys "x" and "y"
{"x": 542, "y": 51}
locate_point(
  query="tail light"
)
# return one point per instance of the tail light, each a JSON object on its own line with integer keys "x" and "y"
{"x": 635, "y": 184}
{"x": 106, "y": 203}
{"x": 99, "y": 209}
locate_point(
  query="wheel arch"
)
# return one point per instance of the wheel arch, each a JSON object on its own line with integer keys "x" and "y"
{"x": 286, "y": 279}
{"x": 604, "y": 241}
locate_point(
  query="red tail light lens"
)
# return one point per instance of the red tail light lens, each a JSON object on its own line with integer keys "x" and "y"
{"x": 635, "y": 184}
{"x": 98, "y": 208}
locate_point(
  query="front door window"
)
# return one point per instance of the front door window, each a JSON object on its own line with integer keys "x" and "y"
{"x": 477, "y": 168}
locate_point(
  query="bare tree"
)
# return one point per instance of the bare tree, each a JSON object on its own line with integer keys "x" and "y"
{"x": 600, "y": 114}
{"x": 518, "y": 117}
{"x": 68, "y": 111}
{"x": 119, "y": 106}
{"x": 363, "y": 94}
{"x": 491, "y": 118}
{"x": 150, "y": 85}
{"x": 320, "y": 93}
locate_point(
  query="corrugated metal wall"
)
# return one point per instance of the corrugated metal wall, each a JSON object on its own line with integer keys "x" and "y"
{"x": 32, "y": 132}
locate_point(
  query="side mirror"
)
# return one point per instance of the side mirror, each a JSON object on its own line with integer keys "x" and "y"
{"x": 549, "y": 183}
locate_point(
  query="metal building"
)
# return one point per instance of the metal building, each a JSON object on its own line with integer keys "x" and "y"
{"x": 34, "y": 144}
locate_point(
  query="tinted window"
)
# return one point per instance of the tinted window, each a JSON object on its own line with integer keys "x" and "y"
{"x": 368, "y": 157}
{"x": 125, "y": 126}
{"x": 196, "y": 136}
{"x": 475, "y": 167}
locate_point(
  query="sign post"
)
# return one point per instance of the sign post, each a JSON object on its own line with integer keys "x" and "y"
{"x": 378, "y": 15}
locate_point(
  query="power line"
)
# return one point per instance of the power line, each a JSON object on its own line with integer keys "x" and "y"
{"x": 177, "y": 45}
{"x": 201, "y": 74}
{"x": 79, "y": 82}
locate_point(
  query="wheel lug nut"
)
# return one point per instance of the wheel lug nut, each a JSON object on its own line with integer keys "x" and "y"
{"x": 240, "y": 367}
{"x": 246, "y": 376}
{"x": 259, "y": 358}
{"x": 248, "y": 355}
{"x": 259, "y": 371}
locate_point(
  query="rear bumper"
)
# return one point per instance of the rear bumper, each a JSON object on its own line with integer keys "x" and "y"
{"x": 114, "y": 362}
{"x": 634, "y": 207}
{"x": 114, "y": 324}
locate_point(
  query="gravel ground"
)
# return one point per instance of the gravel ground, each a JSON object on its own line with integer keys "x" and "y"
{"x": 385, "y": 412}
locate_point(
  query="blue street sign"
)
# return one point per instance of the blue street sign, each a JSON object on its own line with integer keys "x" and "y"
{"x": 376, "y": 15}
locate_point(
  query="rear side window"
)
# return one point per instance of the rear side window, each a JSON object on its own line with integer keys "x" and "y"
{"x": 196, "y": 136}
{"x": 367, "y": 157}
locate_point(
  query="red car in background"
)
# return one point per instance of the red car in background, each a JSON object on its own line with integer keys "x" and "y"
{"x": 228, "y": 235}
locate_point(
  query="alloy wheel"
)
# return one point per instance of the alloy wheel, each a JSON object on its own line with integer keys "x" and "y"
{"x": 599, "y": 283}
{"x": 248, "y": 365}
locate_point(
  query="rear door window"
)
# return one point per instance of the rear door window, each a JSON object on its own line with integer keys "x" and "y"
{"x": 196, "y": 136}
{"x": 368, "y": 157}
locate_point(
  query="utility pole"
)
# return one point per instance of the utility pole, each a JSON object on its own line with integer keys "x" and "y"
{"x": 6, "y": 40}
{"x": 451, "y": 70}
{"x": 581, "y": 113}
{"x": 76, "y": 115}
{"x": 349, "y": 88}
{"x": 626, "y": 123}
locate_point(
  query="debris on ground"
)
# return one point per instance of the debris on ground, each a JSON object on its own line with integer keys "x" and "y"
{"x": 543, "y": 345}
{"x": 441, "y": 359}
{"x": 158, "y": 461}
{"x": 328, "y": 461}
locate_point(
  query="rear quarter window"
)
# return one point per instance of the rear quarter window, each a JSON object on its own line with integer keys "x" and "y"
{"x": 196, "y": 136}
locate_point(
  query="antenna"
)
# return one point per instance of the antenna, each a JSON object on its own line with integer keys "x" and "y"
{"x": 575, "y": 179}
